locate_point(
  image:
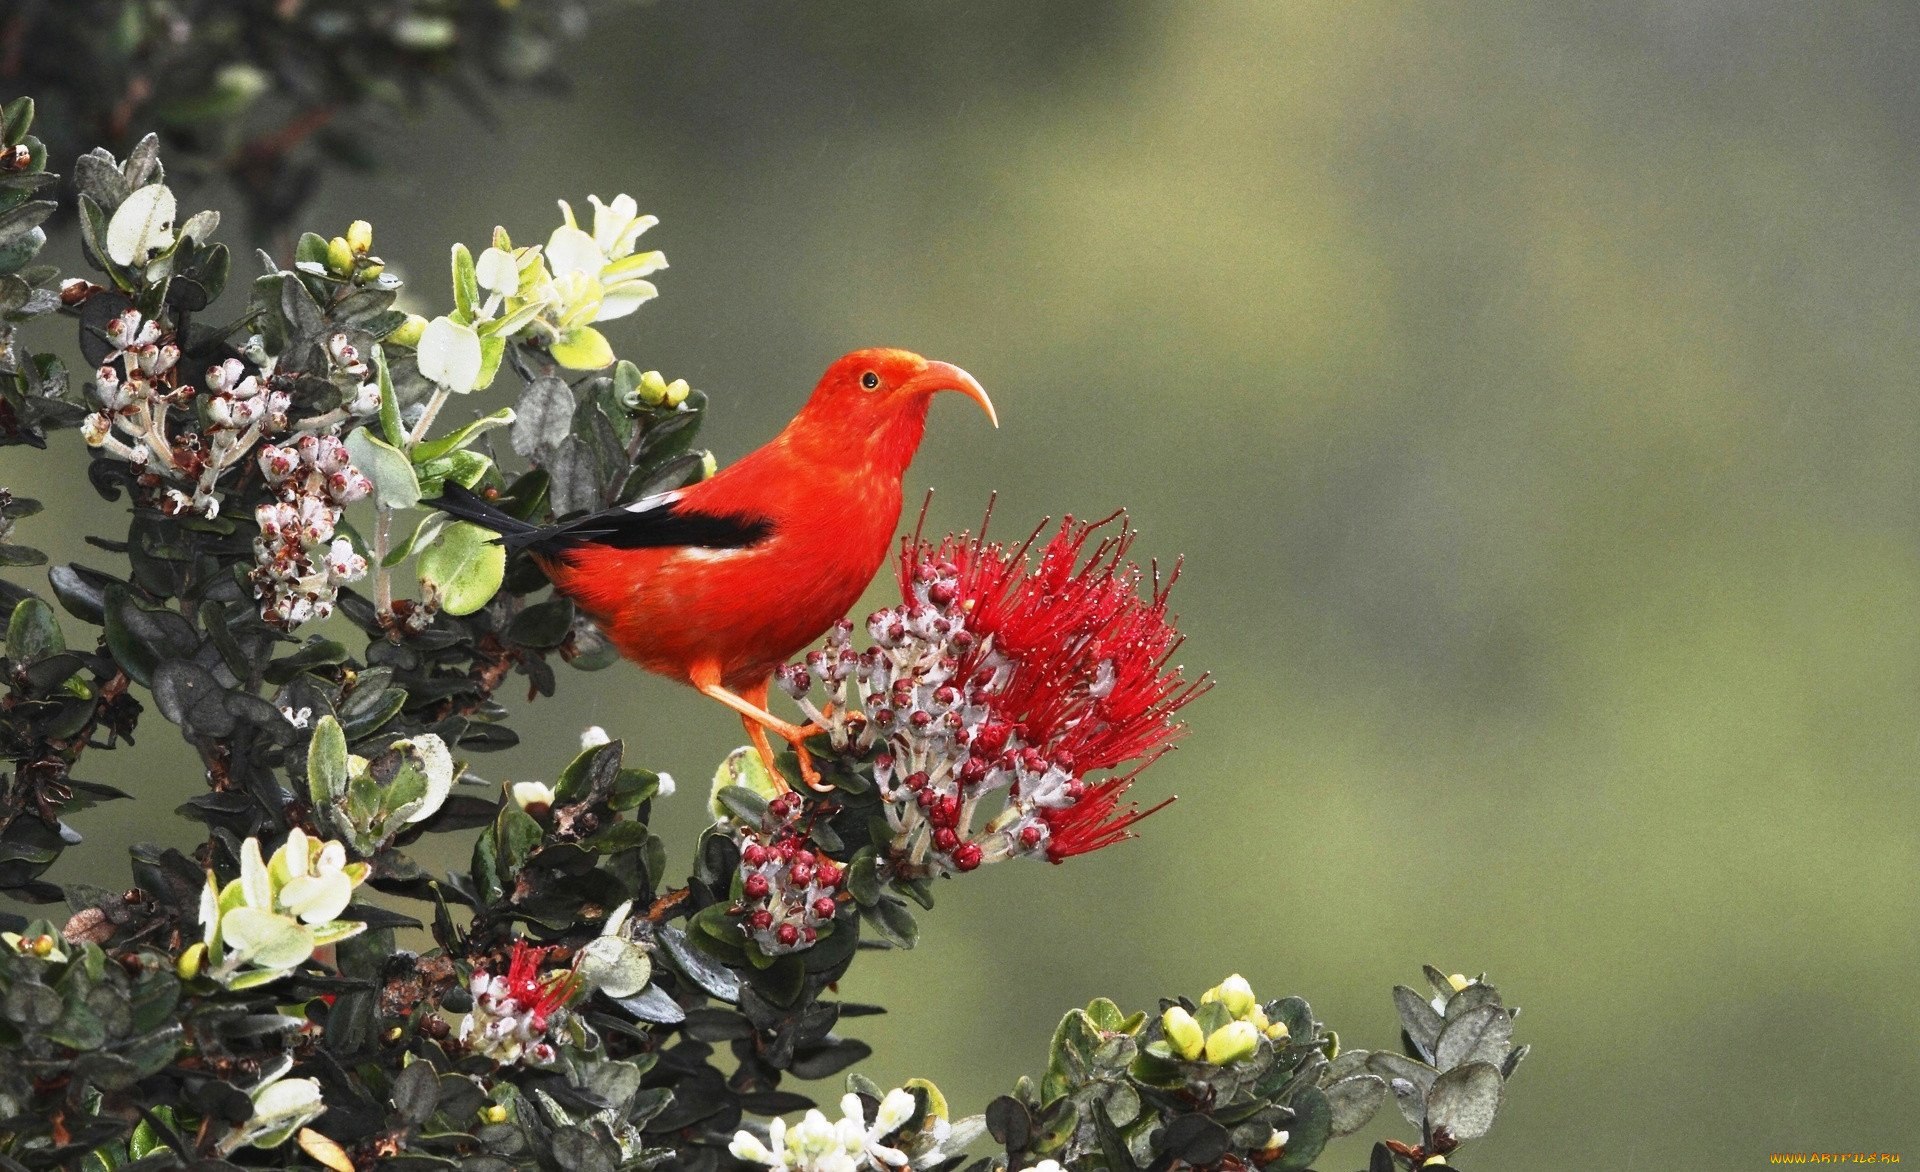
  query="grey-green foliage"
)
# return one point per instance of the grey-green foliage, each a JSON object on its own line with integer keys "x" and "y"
{"x": 275, "y": 97}
{"x": 1260, "y": 1083}
{"x": 640, "y": 1023}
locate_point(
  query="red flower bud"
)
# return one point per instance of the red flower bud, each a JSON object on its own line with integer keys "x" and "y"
{"x": 967, "y": 857}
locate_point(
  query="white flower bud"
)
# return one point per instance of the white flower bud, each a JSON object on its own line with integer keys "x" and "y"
{"x": 317, "y": 519}
{"x": 532, "y": 793}
{"x": 348, "y": 485}
{"x": 278, "y": 463}
{"x": 343, "y": 563}
{"x": 96, "y": 429}
{"x": 225, "y": 375}
{"x": 330, "y": 455}
{"x": 124, "y": 331}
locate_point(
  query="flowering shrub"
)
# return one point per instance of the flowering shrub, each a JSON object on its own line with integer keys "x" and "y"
{"x": 334, "y": 654}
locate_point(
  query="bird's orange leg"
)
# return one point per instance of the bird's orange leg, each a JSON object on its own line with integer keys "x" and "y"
{"x": 751, "y": 704}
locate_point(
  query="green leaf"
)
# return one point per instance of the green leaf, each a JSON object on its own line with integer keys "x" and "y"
{"x": 464, "y": 568}
{"x": 1307, "y": 1132}
{"x": 266, "y": 939}
{"x": 742, "y": 769}
{"x": 327, "y": 762}
{"x": 742, "y": 803}
{"x": 311, "y": 248}
{"x": 894, "y": 921}
{"x": 493, "y": 348}
{"x": 466, "y": 287}
{"x": 142, "y": 637}
{"x": 516, "y": 833}
{"x": 33, "y": 633}
{"x": 1113, "y": 1145}
{"x": 582, "y": 348}
{"x": 16, "y": 118}
{"x": 615, "y": 966}
{"x": 863, "y": 881}
{"x": 394, "y": 483}
{"x": 93, "y": 233}
{"x": 1105, "y": 1015}
{"x": 389, "y": 401}
{"x": 19, "y": 219}
{"x": 461, "y": 437}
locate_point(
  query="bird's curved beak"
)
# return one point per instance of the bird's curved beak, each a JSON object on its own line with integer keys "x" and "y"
{"x": 944, "y": 376}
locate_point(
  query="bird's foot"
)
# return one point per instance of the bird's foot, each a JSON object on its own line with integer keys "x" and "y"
{"x": 808, "y": 773}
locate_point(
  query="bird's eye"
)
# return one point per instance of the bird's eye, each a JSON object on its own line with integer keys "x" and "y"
{"x": 870, "y": 380}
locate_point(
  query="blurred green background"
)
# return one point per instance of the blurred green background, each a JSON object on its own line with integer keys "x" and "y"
{"x": 1530, "y": 389}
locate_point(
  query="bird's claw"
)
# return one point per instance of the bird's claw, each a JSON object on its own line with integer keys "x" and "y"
{"x": 808, "y": 773}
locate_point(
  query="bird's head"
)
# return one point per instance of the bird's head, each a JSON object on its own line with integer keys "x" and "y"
{"x": 883, "y": 391}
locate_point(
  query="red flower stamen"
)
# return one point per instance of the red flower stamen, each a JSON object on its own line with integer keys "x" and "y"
{"x": 1077, "y": 660}
{"x": 539, "y": 997}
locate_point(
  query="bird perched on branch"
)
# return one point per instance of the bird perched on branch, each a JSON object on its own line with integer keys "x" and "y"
{"x": 718, "y": 584}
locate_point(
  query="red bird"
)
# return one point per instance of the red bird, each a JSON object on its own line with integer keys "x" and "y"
{"x": 718, "y": 584}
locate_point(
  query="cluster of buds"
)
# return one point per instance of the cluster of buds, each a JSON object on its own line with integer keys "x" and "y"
{"x": 516, "y": 1014}
{"x": 788, "y": 889}
{"x": 359, "y": 393}
{"x": 137, "y": 384}
{"x": 299, "y": 565}
{"x": 1001, "y": 674}
{"x": 1229, "y": 1041}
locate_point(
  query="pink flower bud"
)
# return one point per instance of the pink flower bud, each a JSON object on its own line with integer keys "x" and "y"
{"x": 278, "y": 463}
{"x": 349, "y": 484}
{"x": 330, "y": 455}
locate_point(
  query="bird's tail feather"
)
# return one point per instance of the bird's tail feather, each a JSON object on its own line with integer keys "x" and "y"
{"x": 467, "y": 505}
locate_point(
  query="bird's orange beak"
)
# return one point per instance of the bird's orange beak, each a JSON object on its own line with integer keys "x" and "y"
{"x": 944, "y": 376}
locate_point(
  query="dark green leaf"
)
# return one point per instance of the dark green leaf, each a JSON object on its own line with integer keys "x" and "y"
{"x": 1307, "y": 1132}
{"x": 1195, "y": 1139}
{"x": 33, "y": 632}
{"x": 415, "y": 1092}
{"x": 718, "y": 980}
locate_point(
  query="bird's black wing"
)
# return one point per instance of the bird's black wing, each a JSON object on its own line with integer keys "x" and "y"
{"x": 656, "y": 522}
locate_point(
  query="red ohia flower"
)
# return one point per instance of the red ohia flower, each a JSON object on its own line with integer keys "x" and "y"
{"x": 537, "y": 996}
{"x": 1072, "y": 664}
